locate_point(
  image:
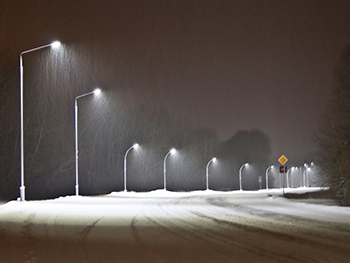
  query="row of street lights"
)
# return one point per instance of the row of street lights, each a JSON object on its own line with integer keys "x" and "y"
{"x": 304, "y": 179}
{"x": 307, "y": 169}
{"x": 135, "y": 146}
{"x": 97, "y": 91}
{"x": 172, "y": 151}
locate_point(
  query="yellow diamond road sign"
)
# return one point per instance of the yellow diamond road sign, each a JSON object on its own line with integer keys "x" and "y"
{"x": 283, "y": 159}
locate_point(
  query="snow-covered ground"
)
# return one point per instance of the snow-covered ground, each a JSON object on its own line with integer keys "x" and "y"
{"x": 163, "y": 226}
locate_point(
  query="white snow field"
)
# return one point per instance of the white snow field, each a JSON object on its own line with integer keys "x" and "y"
{"x": 162, "y": 226}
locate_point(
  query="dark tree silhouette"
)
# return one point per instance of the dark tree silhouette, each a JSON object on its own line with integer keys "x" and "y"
{"x": 334, "y": 141}
{"x": 251, "y": 147}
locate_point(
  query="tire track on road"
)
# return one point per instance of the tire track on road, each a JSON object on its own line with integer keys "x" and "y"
{"x": 298, "y": 234}
{"x": 172, "y": 231}
{"x": 144, "y": 246}
{"x": 303, "y": 228}
{"x": 81, "y": 249}
{"x": 29, "y": 255}
{"x": 221, "y": 240}
{"x": 209, "y": 238}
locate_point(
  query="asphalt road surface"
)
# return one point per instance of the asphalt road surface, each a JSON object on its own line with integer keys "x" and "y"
{"x": 194, "y": 228}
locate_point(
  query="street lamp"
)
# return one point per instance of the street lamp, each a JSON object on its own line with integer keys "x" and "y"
{"x": 207, "y": 172}
{"x": 306, "y": 167}
{"x": 240, "y": 175}
{"x": 290, "y": 169}
{"x": 291, "y": 176}
{"x": 267, "y": 176}
{"x": 95, "y": 92}
{"x": 53, "y": 45}
{"x": 132, "y": 147}
{"x": 166, "y": 156}
{"x": 306, "y": 177}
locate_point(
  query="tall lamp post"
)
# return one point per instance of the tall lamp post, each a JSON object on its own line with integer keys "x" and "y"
{"x": 96, "y": 92}
{"x": 240, "y": 175}
{"x": 55, "y": 44}
{"x": 287, "y": 177}
{"x": 306, "y": 167}
{"x": 166, "y": 156}
{"x": 291, "y": 177}
{"x": 267, "y": 176}
{"x": 207, "y": 172}
{"x": 306, "y": 177}
{"x": 132, "y": 147}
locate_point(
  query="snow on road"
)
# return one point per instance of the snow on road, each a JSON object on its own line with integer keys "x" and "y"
{"x": 162, "y": 226}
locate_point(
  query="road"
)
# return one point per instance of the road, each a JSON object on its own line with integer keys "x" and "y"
{"x": 240, "y": 227}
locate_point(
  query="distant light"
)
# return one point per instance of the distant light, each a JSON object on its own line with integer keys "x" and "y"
{"x": 97, "y": 91}
{"x": 56, "y": 44}
{"x": 173, "y": 150}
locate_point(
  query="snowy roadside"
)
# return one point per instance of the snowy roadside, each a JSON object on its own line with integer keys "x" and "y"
{"x": 272, "y": 201}
{"x": 161, "y": 223}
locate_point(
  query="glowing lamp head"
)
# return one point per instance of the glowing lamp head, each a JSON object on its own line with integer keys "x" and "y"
{"x": 246, "y": 165}
{"x": 136, "y": 145}
{"x": 97, "y": 91}
{"x": 55, "y": 44}
{"x": 173, "y": 150}
{"x": 214, "y": 159}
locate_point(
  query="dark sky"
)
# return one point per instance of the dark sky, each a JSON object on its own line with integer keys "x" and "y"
{"x": 229, "y": 65}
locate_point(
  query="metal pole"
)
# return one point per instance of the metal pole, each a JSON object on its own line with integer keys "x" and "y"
{"x": 207, "y": 175}
{"x": 267, "y": 176}
{"x": 171, "y": 151}
{"x": 125, "y": 164}
{"x": 207, "y": 172}
{"x": 125, "y": 168}
{"x": 22, "y": 187}
{"x": 165, "y": 169}
{"x": 287, "y": 177}
{"x": 240, "y": 176}
{"x": 76, "y": 148}
{"x": 96, "y": 91}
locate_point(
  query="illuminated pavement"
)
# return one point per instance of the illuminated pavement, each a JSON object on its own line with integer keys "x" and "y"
{"x": 174, "y": 227}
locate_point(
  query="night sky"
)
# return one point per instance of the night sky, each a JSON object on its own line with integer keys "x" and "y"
{"x": 228, "y": 65}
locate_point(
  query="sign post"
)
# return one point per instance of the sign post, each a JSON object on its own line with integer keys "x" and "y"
{"x": 283, "y": 169}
